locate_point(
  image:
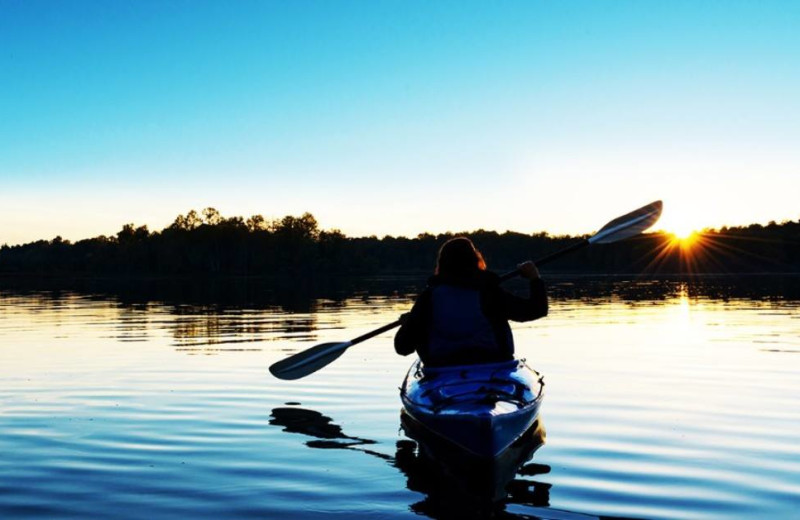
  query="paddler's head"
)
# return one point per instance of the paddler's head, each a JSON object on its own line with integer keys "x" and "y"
{"x": 460, "y": 258}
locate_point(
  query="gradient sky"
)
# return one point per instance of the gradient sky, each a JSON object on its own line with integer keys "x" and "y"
{"x": 397, "y": 117}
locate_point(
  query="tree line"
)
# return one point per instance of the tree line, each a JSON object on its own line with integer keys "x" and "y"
{"x": 208, "y": 243}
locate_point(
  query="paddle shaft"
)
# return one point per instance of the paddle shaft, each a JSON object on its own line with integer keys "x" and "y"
{"x": 372, "y": 334}
{"x": 549, "y": 258}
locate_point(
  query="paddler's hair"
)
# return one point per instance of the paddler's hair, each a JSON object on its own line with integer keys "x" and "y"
{"x": 459, "y": 257}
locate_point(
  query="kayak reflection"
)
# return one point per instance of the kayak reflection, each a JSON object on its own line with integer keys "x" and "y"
{"x": 461, "y": 485}
{"x": 314, "y": 424}
{"x": 455, "y": 485}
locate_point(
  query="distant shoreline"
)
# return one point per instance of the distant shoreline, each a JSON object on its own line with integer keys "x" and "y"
{"x": 416, "y": 276}
{"x": 199, "y": 293}
{"x": 294, "y": 248}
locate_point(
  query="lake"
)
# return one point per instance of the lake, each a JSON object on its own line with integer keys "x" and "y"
{"x": 665, "y": 399}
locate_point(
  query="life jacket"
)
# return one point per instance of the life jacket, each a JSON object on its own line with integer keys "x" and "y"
{"x": 460, "y": 331}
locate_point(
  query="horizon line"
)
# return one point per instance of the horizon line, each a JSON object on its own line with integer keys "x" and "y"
{"x": 269, "y": 221}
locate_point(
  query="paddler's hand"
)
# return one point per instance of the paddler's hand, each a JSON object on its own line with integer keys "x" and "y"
{"x": 528, "y": 270}
{"x": 404, "y": 317}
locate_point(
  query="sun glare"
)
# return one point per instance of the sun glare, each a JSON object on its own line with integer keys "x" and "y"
{"x": 684, "y": 241}
{"x": 683, "y": 235}
{"x": 681, "y": 224}
{"x": 682, "y": 232}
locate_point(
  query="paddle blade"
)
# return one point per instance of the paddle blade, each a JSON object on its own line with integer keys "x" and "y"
{"x": 629, "y": 225}
{"x": 308, "y": 361}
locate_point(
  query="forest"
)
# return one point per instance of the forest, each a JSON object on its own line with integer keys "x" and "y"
{"x": 207, "y": 243}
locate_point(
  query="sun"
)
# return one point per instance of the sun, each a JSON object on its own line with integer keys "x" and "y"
{"x": 680, "y": 229}
{"x": 683, "y": 232}
{"x": 685, "y": 238}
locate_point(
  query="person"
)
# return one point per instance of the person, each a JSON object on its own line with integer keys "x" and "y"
{"x": 461, "y": 318}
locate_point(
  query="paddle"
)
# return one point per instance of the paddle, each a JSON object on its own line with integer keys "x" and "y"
{"x": 309, "y": 361}
{"x": 626, "y": 226}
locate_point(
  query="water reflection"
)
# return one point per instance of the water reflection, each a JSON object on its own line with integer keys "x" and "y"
{"x": 210, "y": 316}
{"x": 214, "y": 295}
{"x": 218, "y": 295}
{"x": 327, "y": 435}
{"x": 207, "y": 316}
{"x": 458, "y": 485}
{"x": 695, "y": 415}
{"x": 455, "y": 484}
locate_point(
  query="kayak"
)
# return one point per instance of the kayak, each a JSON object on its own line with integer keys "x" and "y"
{"x": 481, "y": 409}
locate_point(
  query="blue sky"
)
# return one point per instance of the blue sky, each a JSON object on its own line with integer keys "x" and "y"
{"x": 397, "y": 117}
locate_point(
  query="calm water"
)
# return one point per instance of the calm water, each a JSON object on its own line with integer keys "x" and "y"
{"x": 664, "y": 400}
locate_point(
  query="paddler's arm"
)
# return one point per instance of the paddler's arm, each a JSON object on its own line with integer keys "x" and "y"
{"x": 535, "y": 305}
{"x": 413, "y": 333}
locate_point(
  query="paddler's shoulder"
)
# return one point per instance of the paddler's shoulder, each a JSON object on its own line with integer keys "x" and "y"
{"x": 477, "y": 280}
{"x": 488, "y": 278}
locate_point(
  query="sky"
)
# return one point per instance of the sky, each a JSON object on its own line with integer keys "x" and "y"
{"x": 397, "y": 117}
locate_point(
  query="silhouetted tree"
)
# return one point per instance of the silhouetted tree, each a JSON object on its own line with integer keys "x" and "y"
{"x": 211, "y": 216}
{"x": 296, "y": 246}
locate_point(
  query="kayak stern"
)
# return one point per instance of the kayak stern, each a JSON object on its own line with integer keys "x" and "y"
{"x": 481, "y": 409}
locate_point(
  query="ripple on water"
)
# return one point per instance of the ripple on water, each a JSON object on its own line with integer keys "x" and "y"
{"x": 667, "y": 407}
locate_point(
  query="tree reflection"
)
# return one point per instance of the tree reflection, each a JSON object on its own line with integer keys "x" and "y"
{"x": 234, "y": 314}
